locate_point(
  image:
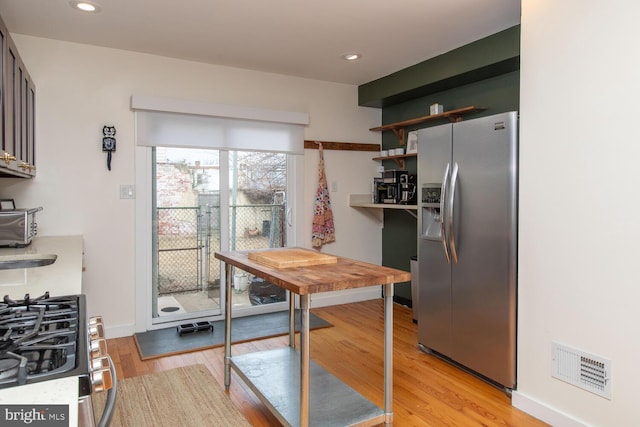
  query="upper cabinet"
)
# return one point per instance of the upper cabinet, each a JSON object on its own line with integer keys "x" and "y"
{"x": 17, "y": 121}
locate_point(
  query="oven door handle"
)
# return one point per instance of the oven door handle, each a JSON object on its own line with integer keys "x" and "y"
{"x": 112, "y": 393}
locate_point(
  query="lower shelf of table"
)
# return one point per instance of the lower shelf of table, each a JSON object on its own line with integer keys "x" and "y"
{"x": 274, "y": 376}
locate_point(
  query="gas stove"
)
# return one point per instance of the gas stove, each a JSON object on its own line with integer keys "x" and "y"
{"x": 46, "y": 342}
{"x": 44, "y": 338}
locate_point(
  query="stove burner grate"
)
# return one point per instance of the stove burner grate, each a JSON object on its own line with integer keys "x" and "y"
{"x": 39, "y": 337}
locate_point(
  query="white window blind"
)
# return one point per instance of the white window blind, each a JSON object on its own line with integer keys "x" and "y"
{"x": 181, "y": 123}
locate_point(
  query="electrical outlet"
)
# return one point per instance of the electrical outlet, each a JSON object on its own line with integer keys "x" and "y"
{"x": 334, "y": 186}
{"x": 127, "y": 191}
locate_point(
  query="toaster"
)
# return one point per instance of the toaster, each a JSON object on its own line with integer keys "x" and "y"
{"x": 18, "y": 227}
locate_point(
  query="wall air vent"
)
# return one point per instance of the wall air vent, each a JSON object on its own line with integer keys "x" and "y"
{"x": 584, "y": 370}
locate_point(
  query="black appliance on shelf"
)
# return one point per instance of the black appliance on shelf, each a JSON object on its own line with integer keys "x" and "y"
{"x": 395, "y": 187}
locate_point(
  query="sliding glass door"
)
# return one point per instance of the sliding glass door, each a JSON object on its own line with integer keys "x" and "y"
{"x": 206, "y": 201}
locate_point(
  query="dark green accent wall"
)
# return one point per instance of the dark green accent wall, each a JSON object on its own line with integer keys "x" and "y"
{"x": 497, "y": 92}
{"x": 485, "y": 58}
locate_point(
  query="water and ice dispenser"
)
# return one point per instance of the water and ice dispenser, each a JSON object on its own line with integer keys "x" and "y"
{"x": 431, "y": 211}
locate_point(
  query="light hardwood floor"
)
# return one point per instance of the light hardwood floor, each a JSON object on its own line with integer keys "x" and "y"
{"x": 427, "y": 391}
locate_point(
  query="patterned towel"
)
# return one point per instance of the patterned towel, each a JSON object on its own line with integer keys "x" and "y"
{"x": 323, "y": 228}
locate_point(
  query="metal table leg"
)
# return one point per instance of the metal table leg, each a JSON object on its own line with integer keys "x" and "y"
{"x": 304, "y": 360}
{"x": 227, "y": 327}
{"x": 292, "y": 320}
{"x": 388, "y": 354}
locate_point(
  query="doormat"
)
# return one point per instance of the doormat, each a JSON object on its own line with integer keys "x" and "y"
{"x": 166, "y": 342}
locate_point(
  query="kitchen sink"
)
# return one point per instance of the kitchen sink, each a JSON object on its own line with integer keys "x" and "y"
{"x": 8, "y": 262}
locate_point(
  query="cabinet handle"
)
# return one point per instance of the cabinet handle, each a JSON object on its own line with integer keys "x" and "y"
{"x": 26, "y": 167}
{"x": 8, "y": 158}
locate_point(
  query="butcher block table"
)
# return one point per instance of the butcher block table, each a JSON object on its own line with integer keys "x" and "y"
{"x": 314, "y": 396}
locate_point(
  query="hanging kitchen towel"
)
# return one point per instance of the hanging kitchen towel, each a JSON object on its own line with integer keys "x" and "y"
{"x": 323, "y": 228}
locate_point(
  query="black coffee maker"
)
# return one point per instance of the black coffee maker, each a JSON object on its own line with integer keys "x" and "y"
{"x": 385, "y": 192}
{"x": 407, "y": 189}
{"x": 395, "y": 187}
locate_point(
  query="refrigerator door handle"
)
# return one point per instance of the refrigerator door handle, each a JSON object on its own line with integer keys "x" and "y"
{"x": 452, "y": 195}
{"x": 443, "y": 192}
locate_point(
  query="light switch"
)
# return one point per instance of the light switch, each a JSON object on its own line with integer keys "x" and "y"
{"x": 334, "y": 186}
{"x": 127, "y": 191}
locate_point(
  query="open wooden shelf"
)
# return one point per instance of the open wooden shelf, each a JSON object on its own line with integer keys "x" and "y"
{"x": 364, "y": 201}
{"x": 399, "y": 159}
{"x": 345, "y": 146}
{"x": 452, "y": 115}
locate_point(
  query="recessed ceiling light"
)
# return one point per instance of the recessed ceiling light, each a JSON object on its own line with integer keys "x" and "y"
{"x": 351, "y": 56}
{"x": 85, "y": 6}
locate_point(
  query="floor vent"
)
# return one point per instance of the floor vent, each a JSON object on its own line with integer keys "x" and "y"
{"x": 584, "y": 370}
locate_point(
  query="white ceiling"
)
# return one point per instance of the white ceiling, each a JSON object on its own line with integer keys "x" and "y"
{"x": 301, "y": 38}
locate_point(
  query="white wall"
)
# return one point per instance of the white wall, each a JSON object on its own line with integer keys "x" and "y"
{"x": 579, "y": 201}
{"x": 80, "y": 88}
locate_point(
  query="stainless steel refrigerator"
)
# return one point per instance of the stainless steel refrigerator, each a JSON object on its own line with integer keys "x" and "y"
{"x": 467, "y": 244}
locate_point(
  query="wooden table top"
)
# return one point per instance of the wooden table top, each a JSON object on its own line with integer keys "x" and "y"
{"x": 346, "y": 273}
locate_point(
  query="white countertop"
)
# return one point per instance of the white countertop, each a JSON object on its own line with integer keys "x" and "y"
{"x": 63, "y": 277}
{"x": 62, "y": 391}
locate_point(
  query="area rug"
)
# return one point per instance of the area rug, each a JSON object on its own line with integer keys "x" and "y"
{"x": 186, "y": 396}
{"x": 165, "y": 342}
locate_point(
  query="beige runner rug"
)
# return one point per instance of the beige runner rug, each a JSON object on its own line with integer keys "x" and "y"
{"x": 188, "y": 396}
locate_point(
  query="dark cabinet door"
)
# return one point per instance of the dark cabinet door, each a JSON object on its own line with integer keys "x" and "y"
{"x": 3, "y": 38}
{"x": 11, "y": 66}
{"x": 31, "y": 127}
{"x": 19, "y": 112}
{"x": 17, "y": 116}
{"x": 25, "y": 137}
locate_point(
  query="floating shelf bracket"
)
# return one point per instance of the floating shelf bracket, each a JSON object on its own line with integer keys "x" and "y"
{"x": 400, "y": 134}
{"x": 400, "y": 160}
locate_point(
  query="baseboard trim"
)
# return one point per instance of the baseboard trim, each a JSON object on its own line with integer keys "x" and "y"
{"x": 120, "y": 331}
{"x": 317, "y": 300}
{"x": 403, "y": 301}
{"x": 543, "y": 412}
